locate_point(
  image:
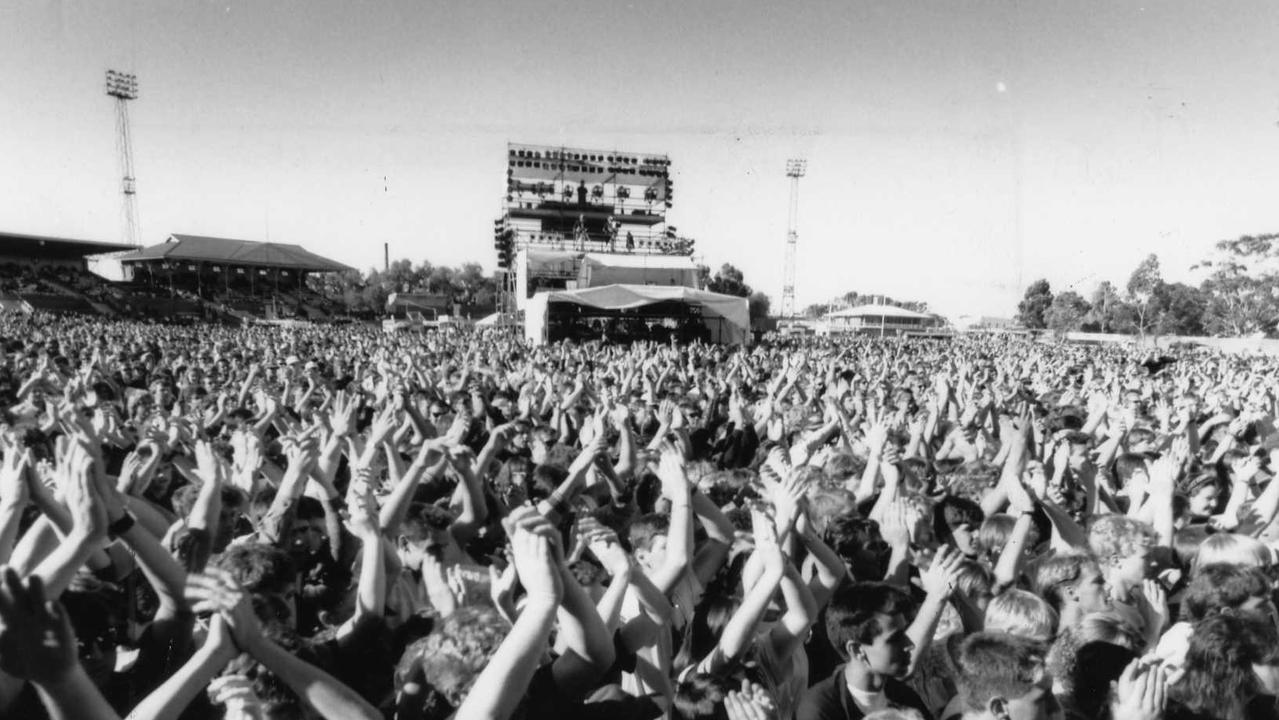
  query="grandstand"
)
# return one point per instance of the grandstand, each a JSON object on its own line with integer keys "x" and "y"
{"x": 52, "y": 275}
{"x": 233, "y": 279}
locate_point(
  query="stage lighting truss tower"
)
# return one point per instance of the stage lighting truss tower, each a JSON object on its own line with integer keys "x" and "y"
{"x": 124, "y": 87}
{"x": 795, "y": 168}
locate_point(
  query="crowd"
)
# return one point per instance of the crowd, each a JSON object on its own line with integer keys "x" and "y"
{"x": 201, "y": 522}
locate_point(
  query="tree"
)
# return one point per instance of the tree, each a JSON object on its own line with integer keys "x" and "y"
{"x": 1240, "y": 293}
{"x": 759, "y": 305}
{"x": 1031, "y": 310}
{"x": 1107, "y": 310}
{"x": 1142, "y": 284}
{"x": 1067, "y": 312}
{"x": 1178, "y": 309}
{"x": 729, "y": 281}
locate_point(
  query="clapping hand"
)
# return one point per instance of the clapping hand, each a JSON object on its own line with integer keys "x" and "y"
{"x": 36, "y": 640}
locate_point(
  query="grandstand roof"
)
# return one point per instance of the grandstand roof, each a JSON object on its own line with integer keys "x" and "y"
{"x": 235, "y": 252}
{"x": 37, "y": 246}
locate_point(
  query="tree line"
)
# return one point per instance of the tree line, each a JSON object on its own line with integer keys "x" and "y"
{"x": 1239, "y": 297}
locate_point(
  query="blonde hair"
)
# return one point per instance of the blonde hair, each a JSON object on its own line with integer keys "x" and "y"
{"x": 1118, "y": 536}
{"x": 1232, "y": 549}
{"x": 1020, "y": 613}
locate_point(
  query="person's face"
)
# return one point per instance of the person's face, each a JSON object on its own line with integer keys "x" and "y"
{"x": 1038, "y": 704}
{"x": 889, "y": 653}
{"x": 309, "y": 535}
{"x": 1131, "y": 569}
{"x": 655, "y": 556}
{"x": 1090, "y": 591}
{"x": 1204, "y": 502}
{"x": 965, "y": 540}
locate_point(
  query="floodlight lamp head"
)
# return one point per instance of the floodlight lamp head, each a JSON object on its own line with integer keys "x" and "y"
{"x": 795, "y": 167}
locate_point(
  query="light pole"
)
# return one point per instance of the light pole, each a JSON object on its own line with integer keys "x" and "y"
{"x": 795, "y": 169}
{"x": 124, "y": 87}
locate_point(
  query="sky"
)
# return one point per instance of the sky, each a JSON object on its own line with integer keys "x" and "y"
{"x": 957, "y": 150}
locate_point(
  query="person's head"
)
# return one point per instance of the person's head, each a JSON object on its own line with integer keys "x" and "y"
{"x": 647, "y": 538}
{"x": 425, "y": 530}
{"x": 858, "y": 542}
{"x": 1094, "y": 627}
{"x": 866, "y": 623}
{"x": 956, "y": 521}
{"x": 1232, "y": 549}
{"x": 1221, "y": 587}
{"x": 1002, "y": 677}
{"x": 266, "y": 572}
{"x": 1072, "y": 581}
{"x": 1121, "y": 546}
{"x": 1203, "y": 494}
{"x": 1129, "y": 466}
{"x": 994, "y": 533}
{"x": 1232, "y": 658}
{"x": 701, "y": 697}
{"x": 1097, "y": 665}
{"x": 441, "y": 667}
{"x": 308, "y": 531}
{"x": 1020, "y": 613}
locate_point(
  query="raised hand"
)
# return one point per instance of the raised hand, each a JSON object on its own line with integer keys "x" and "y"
{"x": 14, "y": 471}
{"x": 535, "y": 555}
{"x": 217, "y": 592}
{"x": 942, "y": 575}
{"x": 787, "y": 497}
{"x": 894, "y": 527}
{"x": 670, "y": 470}
{"x": 36, "y": 640}
{"x": 363, "y": 519}
{"x": 752, "y": 702}
{"x": 237, "y": 694}
{"x": 1140, "y": 693}
{"x": 766, "y": 545}
{"x": 604, "y": 545}
{"x": 88, "y": 510}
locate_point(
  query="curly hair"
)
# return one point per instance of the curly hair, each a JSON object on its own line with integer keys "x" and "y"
{"x": 1219, "y": 680}
{"x": 452, "y": 657}
{"x": 1219, "y": 587}
{"x": 260, "y": 569}
{"x": 701, "y": 697}
{"x": 1118, "y": 536}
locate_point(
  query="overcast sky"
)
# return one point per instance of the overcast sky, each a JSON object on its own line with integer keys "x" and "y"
{"x": 957, "y": 150}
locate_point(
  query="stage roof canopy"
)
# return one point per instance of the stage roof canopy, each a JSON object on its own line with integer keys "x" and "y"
{"x": 37, "y": 246}
{"x": 650, "y": 270}
{"x": 195, "y": 248}
{"x": 732, "y": 310}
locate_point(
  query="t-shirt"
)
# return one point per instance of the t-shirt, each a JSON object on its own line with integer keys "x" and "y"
{"x": 831, "y": 699}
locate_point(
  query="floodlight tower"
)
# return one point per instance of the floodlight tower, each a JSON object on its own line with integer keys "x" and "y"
{"x": 795, "y": 168}
{"x": 124, "y": 87}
